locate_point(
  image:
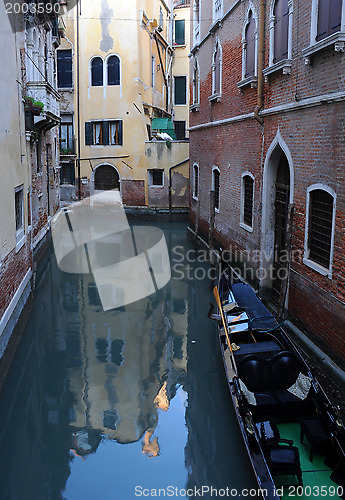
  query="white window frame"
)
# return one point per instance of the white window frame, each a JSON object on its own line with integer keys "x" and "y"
{"x": 214, "y": 168}
{"x": 217, "y": 10}
{"x": 196, "y": 24}
{"x": 284, "y": 64}
{"x": 216, "y": 96}
{"x": 243, "y": 225}
{"x": 20, "y": 232}
{"x": 195, "y": 195}
{"x": 105, "y": 70}
{"x": 150, "y": 178}
{"x": 195, "y": 106}
{"x": 306, "y": 260}
{"x": 250, "y": 80}
{"x": 336, "y": 39}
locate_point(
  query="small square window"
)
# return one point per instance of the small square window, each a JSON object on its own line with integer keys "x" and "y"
{"x": 156, "y": 178}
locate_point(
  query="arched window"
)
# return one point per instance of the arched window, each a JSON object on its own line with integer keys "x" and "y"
{"x": 320, "y": 226}
{"x": 216, "y": 69}
{"x": 281, "y": 30}
{"x": 113, "y": 70}
{"x": 247, "y": 200}
{"x": 329, "y": 18}
{"x": 195, "y": 181}
{"x": 97, "y": 72}
{"x": 250, "y": 46}
{"x": 216, "y": 187}
{"x": 196, "y": 83}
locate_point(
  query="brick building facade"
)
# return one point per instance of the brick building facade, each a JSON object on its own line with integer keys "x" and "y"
{"x": 267, "y": 135}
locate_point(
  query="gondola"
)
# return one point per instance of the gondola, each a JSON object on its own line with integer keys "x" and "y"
{"x": 294, "y": 436}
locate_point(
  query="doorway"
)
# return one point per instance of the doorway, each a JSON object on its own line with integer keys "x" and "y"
{"x": 281, "y": 206}
{"x": 106, "y": 178}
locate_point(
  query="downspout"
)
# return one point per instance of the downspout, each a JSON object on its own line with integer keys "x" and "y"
{"x": 260, "y": 101}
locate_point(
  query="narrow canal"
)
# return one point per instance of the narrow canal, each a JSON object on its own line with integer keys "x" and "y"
{"x": 119, "y": 404}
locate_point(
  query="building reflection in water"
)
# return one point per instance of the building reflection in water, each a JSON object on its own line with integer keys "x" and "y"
{"x": 84, "y": 378}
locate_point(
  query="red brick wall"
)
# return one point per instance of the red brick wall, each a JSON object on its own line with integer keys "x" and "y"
{"x": 13, "y": 269}
{"x": 133, "y": 192}
{"x": 315, "y": 138}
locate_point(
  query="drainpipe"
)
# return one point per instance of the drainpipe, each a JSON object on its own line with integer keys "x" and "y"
{"x": 260, "y": 64}
{"x": 170, "y": 169}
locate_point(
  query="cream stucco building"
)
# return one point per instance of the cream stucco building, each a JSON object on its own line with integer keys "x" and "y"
{"x": 116, "y": 76}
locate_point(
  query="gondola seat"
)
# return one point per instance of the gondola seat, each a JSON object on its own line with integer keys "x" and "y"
{"x": 274, "y": 385}
{"x": 283, "y": 459}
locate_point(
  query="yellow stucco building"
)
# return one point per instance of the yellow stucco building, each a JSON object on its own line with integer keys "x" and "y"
{"x": 120, "y": 126}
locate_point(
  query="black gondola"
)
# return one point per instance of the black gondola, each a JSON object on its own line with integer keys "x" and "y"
{"x": 295, "y": 438}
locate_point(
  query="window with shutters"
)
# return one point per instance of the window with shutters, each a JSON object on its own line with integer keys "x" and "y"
{"x": 327, "y": 27}
{"x": 195, "y": 181}
{"x": 180, "y": 32}
{"x": 97, "y": 72}
{"x": 247, "y": 200}
{"x": 103, "y": 133}
{"x": 113, "y": 70}
{"x": 216, "y": 187}
{"x": 281, "y": 30}
{"x": 329, "y": 18}
{"x": 320, "y": 228}
{"x": 196, "y": 86}
{"x": 249, "y": 51}
{"x": 180, "y": 90}
{"x": 64, "y": 69}
{"x": 216, "y": 70}
{"x": 19, "y": 216}
{"x": 250, "y": 41}
{"x": 280, "y": 37}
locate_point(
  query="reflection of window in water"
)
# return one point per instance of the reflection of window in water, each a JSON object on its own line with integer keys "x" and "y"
{"x": 70, "y": 297}
{"x": 179, "y": 306}
{"x": 94, "y": 299}
{"x": 110, "y": 418}
{"x": 110, "y": 351}
{"x": 177, "y": 346}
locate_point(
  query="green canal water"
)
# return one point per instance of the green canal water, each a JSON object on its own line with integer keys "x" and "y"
{"x": 121, "y": 404}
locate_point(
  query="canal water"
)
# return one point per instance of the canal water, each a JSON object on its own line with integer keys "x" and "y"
{"x": 122, "y": 404}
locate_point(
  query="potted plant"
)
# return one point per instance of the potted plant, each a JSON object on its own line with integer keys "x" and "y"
{"x": 37, "y": 107}
{"x": 28, "y": 102}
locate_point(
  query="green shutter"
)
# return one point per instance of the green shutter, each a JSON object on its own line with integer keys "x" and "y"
{"x": 180, "y": 90}
{"x": 120, "y": 132}
{"x": 105, "y": 133}
{"x": 88, "y": 134}
{"x": 179, "y": 32}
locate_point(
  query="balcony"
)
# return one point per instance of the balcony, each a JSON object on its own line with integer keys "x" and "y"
{"x": 44, "y": 92}
{"x": 67, "y": 152}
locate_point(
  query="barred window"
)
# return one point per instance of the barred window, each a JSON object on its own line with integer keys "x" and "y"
{"x": 281, "y": 30}
{"x": 216, "y": 188}
{"x": 248, "y": 192}
{"x": 320, "y": 227}
{"x": 196, "y": 181}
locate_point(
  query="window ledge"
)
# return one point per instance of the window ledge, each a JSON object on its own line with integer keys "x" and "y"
{"x": 179, "y": 45}
{"x": 338, "y": 39}
{"x": 246, "y": 227}
{"x": 250, "y": 80}
{"x": 195, "y": 107}
{"x": 317, "y": 267}
{"x": 21, "y": 239}
{"x": 284, "y": 65}
{"x": 216, "y": 97}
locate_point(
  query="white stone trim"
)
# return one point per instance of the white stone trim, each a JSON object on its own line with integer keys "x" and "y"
{"x": 284, "y": 108}
{"x": 243, "y": 225}
{"x": 268, "y": 195}
{"x": 306, "y": 260}
{"x": 244, "y": 42}
{"x": 217, "y": 46}
{"x": 197, "y": 194}
{"x": 195, "y": 84}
